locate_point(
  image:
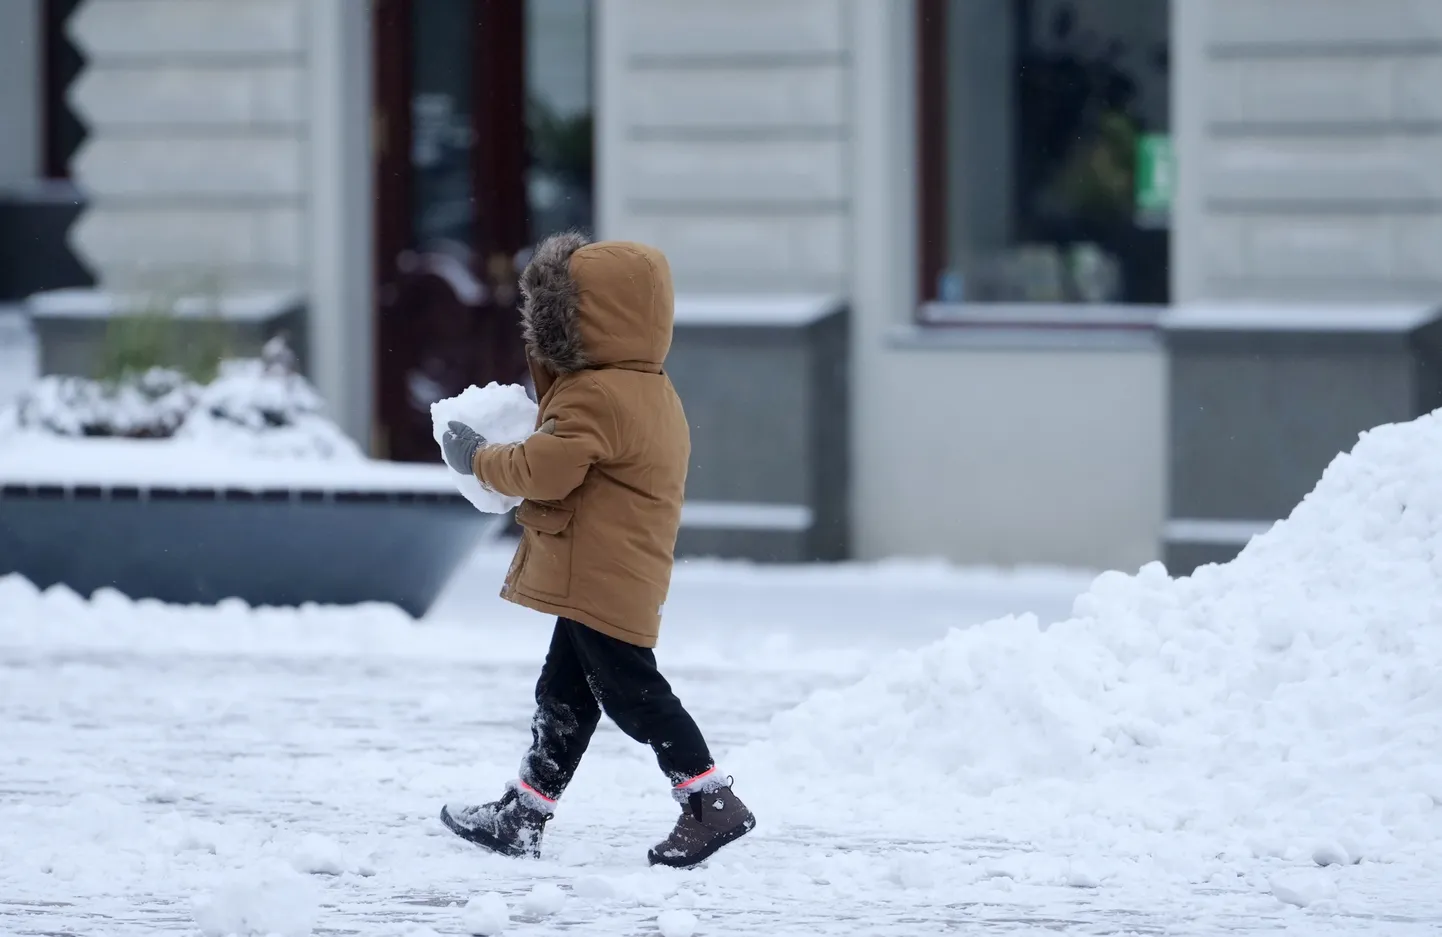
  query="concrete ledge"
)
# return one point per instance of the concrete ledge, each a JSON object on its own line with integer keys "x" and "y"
{"x": 991, "y": 337}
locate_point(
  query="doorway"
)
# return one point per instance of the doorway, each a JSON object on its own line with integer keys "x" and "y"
{"x": 483, "y": 145}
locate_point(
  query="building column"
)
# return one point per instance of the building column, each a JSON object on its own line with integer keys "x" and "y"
{"x": 342, "y": 307}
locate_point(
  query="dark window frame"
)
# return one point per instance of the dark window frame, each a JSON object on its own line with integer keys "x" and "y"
{"x": 61, "y": 131}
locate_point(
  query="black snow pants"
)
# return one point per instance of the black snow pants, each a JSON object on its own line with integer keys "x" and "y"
{"x": 586, "y": 673}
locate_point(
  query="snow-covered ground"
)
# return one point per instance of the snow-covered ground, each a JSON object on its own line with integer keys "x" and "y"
{"x": 1256, "y": 749}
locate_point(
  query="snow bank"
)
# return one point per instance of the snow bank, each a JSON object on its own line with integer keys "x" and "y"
{"x": 500, "y": 412}
{"x": 1255, "y": 709}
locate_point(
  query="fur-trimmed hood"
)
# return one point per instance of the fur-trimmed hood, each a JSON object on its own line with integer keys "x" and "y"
{"x": 591, "y": 305}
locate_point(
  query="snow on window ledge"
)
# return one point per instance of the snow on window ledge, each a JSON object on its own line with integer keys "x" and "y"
{"x": 1050, "y": 326}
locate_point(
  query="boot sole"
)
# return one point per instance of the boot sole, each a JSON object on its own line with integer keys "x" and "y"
{"x": 711, "y": 848}
{"x": 484, "y": 840}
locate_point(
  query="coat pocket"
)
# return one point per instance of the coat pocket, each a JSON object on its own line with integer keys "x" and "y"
{"x": 547, "y": 566}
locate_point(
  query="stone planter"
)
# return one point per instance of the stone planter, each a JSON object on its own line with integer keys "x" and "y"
{"x": 376, "y": 533}
{"x": 764, "y": 383}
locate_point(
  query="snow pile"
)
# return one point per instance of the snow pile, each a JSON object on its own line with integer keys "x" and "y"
{"x": 501, "y": 413}
{"x": 1258, "y": 709}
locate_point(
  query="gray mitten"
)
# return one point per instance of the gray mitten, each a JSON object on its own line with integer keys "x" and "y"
{"x": 459, "y": 446}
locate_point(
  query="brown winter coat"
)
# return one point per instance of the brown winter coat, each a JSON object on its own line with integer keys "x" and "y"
{"x": 605, "y": 473}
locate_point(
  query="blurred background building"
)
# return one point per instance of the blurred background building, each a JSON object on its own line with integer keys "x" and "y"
{"x": 1005, "y": 195}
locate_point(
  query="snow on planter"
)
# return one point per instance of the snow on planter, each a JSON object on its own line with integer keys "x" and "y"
{"x": 258, "y": 407}
{"x": 1288, "y": 697}
{"x": 500, "y": 412}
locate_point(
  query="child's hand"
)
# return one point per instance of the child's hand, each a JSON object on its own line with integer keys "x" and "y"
{"x": 459, "y": 446}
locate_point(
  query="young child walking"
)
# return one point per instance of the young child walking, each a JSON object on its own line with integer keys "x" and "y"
{"x": 603, "y": 479}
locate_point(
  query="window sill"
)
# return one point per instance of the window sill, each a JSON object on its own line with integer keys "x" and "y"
{"x": 1031, "y": 326}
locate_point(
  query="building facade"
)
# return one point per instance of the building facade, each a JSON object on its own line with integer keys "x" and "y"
{"x": 1008, "y": 391}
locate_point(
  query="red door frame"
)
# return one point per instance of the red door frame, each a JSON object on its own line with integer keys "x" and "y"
{"x": 499, "y": 225}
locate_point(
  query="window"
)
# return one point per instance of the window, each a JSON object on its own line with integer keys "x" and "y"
{"x": 1045, "y": 158}
{"x": 483, "y": 146}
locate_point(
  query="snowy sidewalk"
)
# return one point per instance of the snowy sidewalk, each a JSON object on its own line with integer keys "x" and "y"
{"x": 286, "y": 769}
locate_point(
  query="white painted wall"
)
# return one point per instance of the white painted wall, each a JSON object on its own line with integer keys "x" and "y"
{"x": 195, "y": 164}
{"x": 20, "y": 92}
{"x": 723, "y": 139}
{"x": 1311, "y": 155}
{"x": 229, "y": 149}
{"x": 340, "y": 216}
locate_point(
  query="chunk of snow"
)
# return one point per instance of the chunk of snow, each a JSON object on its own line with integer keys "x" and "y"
{"x": 1302, "y": 887}
{"x": 676, "y": 922}
{"x": 485, "y": 915}
{"x": 166, "y": 791}
{"x": 1330, "y": 853}
{"x": 502, "y": 413}
{"x": 1080, "y": 876}
{"x": 545, "y": 898}
{"x": 319, "y": 855}
{"x": 268, "y": 901}
{"x": 595, "y": 887}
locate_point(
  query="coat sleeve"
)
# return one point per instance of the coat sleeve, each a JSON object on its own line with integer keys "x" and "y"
{"x": 579, "y": 429}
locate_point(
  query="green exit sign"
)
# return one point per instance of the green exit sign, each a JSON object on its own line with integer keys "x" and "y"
{"x": 1156, "y": 175}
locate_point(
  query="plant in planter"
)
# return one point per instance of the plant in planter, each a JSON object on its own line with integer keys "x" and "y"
{"x": 150, "y": 335}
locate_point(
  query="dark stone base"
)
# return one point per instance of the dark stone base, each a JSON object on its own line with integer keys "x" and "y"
{"x": 760, "y": 546}
{"x": 197, "y": 547}
{"x": 1183, "y": 559}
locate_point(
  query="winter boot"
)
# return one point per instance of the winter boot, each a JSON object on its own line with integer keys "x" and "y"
{"x": 511, "y": 826}
{"x": 709, "y": 820}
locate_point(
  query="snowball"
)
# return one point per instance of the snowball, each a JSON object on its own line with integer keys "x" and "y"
{"x": 271, "y": 900}
{"x": 545, "y": 898}
{"x": 502, "y": 413}
{"x": 676, "y": 922}
{"x": 485, "y": 915}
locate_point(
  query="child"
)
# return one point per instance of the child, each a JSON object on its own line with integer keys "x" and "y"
{"x": 603, "y": 478}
